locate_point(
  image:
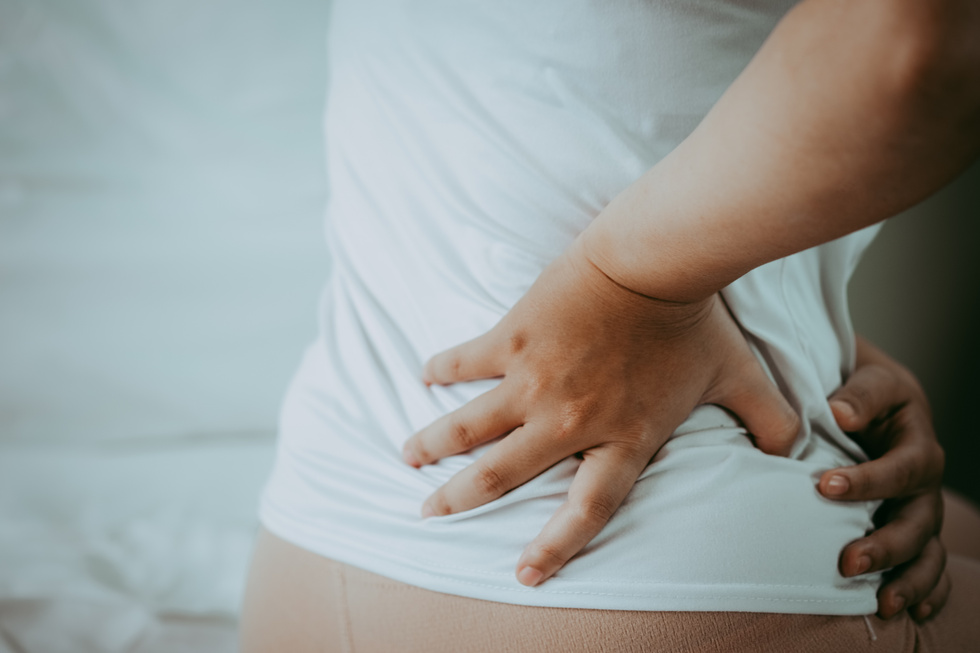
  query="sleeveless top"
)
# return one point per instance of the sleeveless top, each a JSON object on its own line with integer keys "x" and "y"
{"x": 468, "y": 143}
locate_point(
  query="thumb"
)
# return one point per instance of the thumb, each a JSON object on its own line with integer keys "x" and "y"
{"x": 870, "y": 391}
{"x": 756, "y": 400}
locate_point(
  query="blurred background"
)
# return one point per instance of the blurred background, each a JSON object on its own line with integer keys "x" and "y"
{"x": 161, "y": 254}
{"x": 916, "y": 294}
{"x": 161, "y": 188}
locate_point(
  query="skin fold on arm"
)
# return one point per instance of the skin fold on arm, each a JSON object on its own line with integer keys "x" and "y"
{"x": 852, "y": 111}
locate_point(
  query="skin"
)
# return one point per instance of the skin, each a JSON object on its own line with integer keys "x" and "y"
{"x": 599, "y": 388}
{"x": 852, "y": 111}
{"x": 883, "y": 408}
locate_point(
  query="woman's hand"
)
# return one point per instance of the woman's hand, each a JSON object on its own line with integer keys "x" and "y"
{"x": 885, "y": 410}
{"x": 589, "y": 367}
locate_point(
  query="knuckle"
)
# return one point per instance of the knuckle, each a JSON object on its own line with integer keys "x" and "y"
{"x": 919, "y": 589}
{"x": 419, "y": 449}
{"x": 632, "y": 449}
{"x": 454, "y": 365}
{"x": 439, "y": 504}
{"x": 921, "y": 545}
{"x": 911, "y": 425}
{"x": 881, "y": 556}
{"x": 921, "y": 467}
{"x": 517, "y": 342}
{"x": 550, "y": 553}
{"x": 905, "y": 476}
{"x": 890, "y": 594}
{"x": 489, "y": 482}
{"x": 861, "y": 482}
{"x": 461, "y": 434}
{"x": 594, "y": 512}
{"x": 576, "y": 414}
{"x": 535, "y": 389}
{"x": 850, "y": 557}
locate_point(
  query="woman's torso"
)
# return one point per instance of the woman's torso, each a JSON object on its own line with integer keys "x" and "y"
{"x": 468, "y": 144}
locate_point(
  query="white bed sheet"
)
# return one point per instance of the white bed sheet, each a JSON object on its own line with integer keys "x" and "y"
{"x": 105, "y": 548}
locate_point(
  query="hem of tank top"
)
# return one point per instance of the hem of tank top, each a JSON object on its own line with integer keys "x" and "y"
{"x": 416, "y": 574}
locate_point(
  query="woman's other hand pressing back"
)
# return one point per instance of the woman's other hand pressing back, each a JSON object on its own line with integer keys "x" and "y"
{"x": 884, "y": 409}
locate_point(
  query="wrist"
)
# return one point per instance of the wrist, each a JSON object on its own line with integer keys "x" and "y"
{"x": 645, "y": 242}
{"x": 662, "y": 317}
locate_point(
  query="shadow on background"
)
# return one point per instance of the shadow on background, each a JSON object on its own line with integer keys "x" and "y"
{"x": 916, "y": 293}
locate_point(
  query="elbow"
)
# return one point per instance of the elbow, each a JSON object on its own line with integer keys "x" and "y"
{"x": 934, "y": 69}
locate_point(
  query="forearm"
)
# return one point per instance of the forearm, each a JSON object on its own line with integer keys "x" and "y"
{"x": 852, "y": 111}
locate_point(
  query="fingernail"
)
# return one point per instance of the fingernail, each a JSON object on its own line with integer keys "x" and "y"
{"x": 863, "y": 564}
{"x": 427, "y": 511}
{"x": 924, "y": 611}
{"x": 529, "y": 576}
{"x": 838, "y": 484}
{"x": 410, "y": 458}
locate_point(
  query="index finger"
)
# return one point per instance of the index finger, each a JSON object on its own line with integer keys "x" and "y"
{"x": 479, "y": 358}
{"x": 516, "y": 459}
{"x": 914, "y": 463}
{"x": 605, "y": 477}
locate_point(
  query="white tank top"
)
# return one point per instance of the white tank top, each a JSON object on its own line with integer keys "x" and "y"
{"x": 468, "y": 143}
